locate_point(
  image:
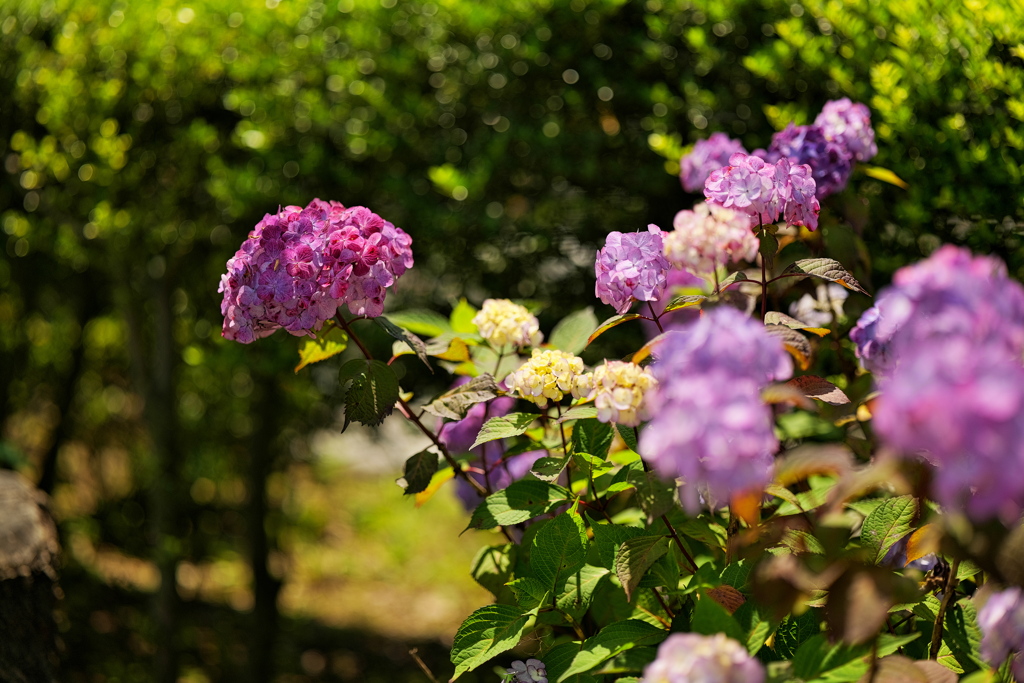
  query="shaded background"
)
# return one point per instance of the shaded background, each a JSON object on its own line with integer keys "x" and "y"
{"x": 215, "y": 525}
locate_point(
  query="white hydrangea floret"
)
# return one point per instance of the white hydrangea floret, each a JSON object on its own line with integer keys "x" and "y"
{"x": 549, "y": 375}
{"x": 708, "y": 659}
{"x": 502, "y": 323}
{"x": 619, "y": 393}
{"x": 707, "y": 237}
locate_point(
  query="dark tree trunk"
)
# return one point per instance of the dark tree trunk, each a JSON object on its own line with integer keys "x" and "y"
{"x": 28, "y": 580}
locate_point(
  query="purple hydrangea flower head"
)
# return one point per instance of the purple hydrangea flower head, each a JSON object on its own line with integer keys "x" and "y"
{"x": 765, "y": 191}
{"x": 299, "y": 265}
{"x": 707, "y": 156}
{"x": 631, "y": 266}
{"x": 1001, "y": 621}
{"x": 949, "y": 294}
{"x": 960, "y": 405}
{"x": 530, "y": 671}
{"x": 849, "y": 124}
{"x": 690, "y": 657}
{"x": 830, "y": 162}
{"x": 710, "y": 426}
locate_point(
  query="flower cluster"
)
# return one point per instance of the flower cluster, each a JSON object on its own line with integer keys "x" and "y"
{"x": 502, "y": 323}
{"x": 1001, "y": 621}
{"x": 765, "y": 191}
{"x": 687, "y": 657}
{"x": 709, "y": 236}
{"x": 848, "y": 124}
{"x": 299, "y": 265}
{"x": 530, "y": 671}
{"x": 711, "y": 428}
{"x": 620, "y": 392}
{"x": 631, "y": 266}
{"x": 707, "y": 156}
{"x": 830, "y": 162}
{"x": 820, "y": 310}
{"x": 549, "y": 374}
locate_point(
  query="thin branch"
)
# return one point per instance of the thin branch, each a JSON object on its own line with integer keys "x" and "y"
{"x": 656, "y": 317}
{"x": 947, "y": 596}
{"x": 423, "y": 665}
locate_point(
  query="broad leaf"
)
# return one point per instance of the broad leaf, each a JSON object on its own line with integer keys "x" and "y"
{"x": 961, "y": 635}
{"x": 578, "y": 590}
{"x": 421, "y": 321}
{"x": 684, "y": 301}
{"x": 373, "y": 393}
{"x": 613, "y": 639}
{"x": 493, "y": 566}
{"x": 548, "y": 469}
{"x": 610, "y": 323}
{"x": 810, "y": 459}
{"x": 609, "y": 537}
{"x": 580, "y": 412}
{"x": 826, "y": 269}
{"x": 629, "y": 436}
{"x": 794, "y": 342}
{"x": 454, "y": 403}
{"x": 738, "y": 276}
{"x": 776, "y": 318}
{"x": 559, "y": 549}
{"x": 820, "y": 389}
{"x": 593, "y": 437}
{"x": 710, "y": 618}
{"x": 414, "y": 342}
{"x": 655, "y": 495}
{"x": 419, "y": 469}
{"x": 462, "y": 317}
{"x": 768, "y": 247}
{"x": 530, "y": 593}
{"x": 487, "y": 632}
{"x": 572, "y": 332}
{"x": 889, "y": 522}
{"x": 331, "y": 341}
{"x": 522, "y": 500}
{"x": 634, "y": 557}
{"x": 504, "y": 427}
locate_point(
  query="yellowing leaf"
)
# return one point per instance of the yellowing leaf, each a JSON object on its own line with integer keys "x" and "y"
{"x": 436, "y": 482}
{"x": 330, "y": 342}
{"x": 886, "y": 176}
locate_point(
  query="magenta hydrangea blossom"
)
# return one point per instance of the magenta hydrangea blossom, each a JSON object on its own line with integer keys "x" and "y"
{"x": 830, "y": 161}
{"x": 765, "y": 191}
{"x": 849, "y": 124}
{"x": 1001, "y": 621}
{"x": 692, "y": 658}
{"x": 707, "y": 156}
{"x": 960, "y": 405}
{"x": 298, "y": 265}
{"x": 711, "y": 428}
{"x": 949, "y": 294}
{"x": 631, "y": 267}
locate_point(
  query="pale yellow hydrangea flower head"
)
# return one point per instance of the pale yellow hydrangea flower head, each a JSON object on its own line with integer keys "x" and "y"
{"x": 620, "y": 391}
{"x": 549, "y": 375}
{"x": 502, "y": 322}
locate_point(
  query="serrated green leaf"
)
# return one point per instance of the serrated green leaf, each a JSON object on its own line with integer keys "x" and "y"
{"x": 492, "y": 566}
{"x": 572, "y": 332}
{"x": 522, "y": 500}
{"x": 826, "y": 269}
{"x": 462, "y": 317}
{"x": 454, "y": 403}
{"x": 487, "y": 632}
{"x": 608, "y": 538}
{"x": 654, "y": 495}
{"x": 711, "y": 534}
{"x": 421, "y": 321}
{"x": 504, "y": 427}
{"x": 632, "y": 660}
{"x": 684, "y": 301}
{"x": 530, "y": 593}
{"x": 710, "y": 618}
{"x": 548, "y": 469}
{"x": 628, "y": 435}
{"x": 755, "y": 624}
{"x": 793, "y": 632}
{"x": 558, "y": 659}
{"x": 634, "y": 557}
{"x": 559, "y": 549}
{"x": 593, "y": 437}
{"x": 886, "y": 525}
{"x": 410, "y": 339}
{"x": 962, "y": 636}
{"x": 373, "y": 393}
{"x": 576, "y": 594}
{"x": 330, "y": 341}
{"x": 610, "y": 323}
{"x": 613, "y": 639}
{"x": 418, "y": 471}
{"x": 581, "y": 412}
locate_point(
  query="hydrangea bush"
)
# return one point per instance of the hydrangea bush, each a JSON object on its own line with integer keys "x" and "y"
{"x": 708, "y": 507}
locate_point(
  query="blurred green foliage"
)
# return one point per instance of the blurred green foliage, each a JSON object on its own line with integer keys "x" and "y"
{"x": 141, "y": 142}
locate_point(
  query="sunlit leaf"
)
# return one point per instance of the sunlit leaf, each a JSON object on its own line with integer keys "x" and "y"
{"x": 487, "y": 632}
{"x": 503, "y": 427}
{"x": 820, "y": 390}
{"x": 421, "y": 321}
{"x": 610, "y": 323}
{"x": 454, "y": 403}
{"x": 519, "y": 502}
{"x": 794, "y": 342}
{"x": 634, "y": 557}
{"x": 572, "y": 332}
{"x": 826, "y": 269}
{"x": 410, "y": 339}
{"x": 613, "y": 639}
{"x": 684, "y": 301}
{"x": 331, "y": 341}
{"x": 886, "y": 176}
{"x": 419, "y": 470}
{"x": 777, "y": 318}
{"x": 886, "y": 525}
{"x": 462, "y": 317}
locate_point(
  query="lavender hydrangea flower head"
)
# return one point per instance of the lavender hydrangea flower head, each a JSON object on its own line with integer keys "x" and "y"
{"x": 631, "y": 267}
{"x": 830, "y": 161}
{"x": 707, "y": 156}
{"x": 530, "y": 671}
{"x": 689, "y": 657}
{"x": 1001, "y": 621}
{"x": 960, "y": 405}
{"x": 299, "y": 265}
{"x": 849, "y": 124}
{"x": 709, "y": 236}
{"x": 764, "y": 190}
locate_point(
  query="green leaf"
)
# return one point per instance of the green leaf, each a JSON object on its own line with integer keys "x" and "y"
{"x": 684, "y": 301}
{"x": 558, "y": 659}
{"x": 628, "y": 435}
{"x": 454, "y": 403}
{"x": 504, "y": 427}
{"x": 462, "y": 317}
{"x": 581, "y": 412}
{"x": 613, "y": 639}
{"x": 421, "y": 321}
{"x": 530, "y": 593}
{"x": 817, "y": 657}
{"x": 793, "y": 632}
{"x": 548, "y": 469}
{"x": 572, "y": 332}
{"x": 710, "y": 618}
{"x": 414, "y": 342}
{"x": 634, "y": 557}
{"x": 577, "y": 593}
{"x": 632, "y": 660}
{"x": 593, "y": 437}
{"x": 559, "y": 549}
{"x": 768, "y": 248}
{"x": 961, "y": 634}
{"x": 487, "y": 632}
{"x": 889, "y": 522}
{"x": 826, "y": 269}
{"x": 331, "y": 341}
{"x": 738, "y": 276}
{"x": 608, "y": 538}
{"x": 373, "y": 393}
{"x": 522, "y": 500}
{"x": 655, "y": 496}
{"x": 418, "y": 471}
{"x": 755, "y": 624}
{"x": 493, "y": 566}
{"x": 610, "y": 323}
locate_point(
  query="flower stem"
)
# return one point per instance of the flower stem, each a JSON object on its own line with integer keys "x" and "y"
{"x": 655, "y": 317}
{"x": 664, "y": 518}
{"x": 947, "y": 596}
{"x": 764, "y": 277}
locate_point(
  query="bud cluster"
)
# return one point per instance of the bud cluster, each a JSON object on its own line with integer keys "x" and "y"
{"x": 549, "y": 375}
{"x": 503, "y": 323}
{"x": 620, "y": 392}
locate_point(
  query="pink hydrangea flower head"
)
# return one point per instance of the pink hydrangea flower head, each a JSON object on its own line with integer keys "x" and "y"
{"x": 631, "y": 267}
{"x": 1001, "y": 621}
{"x": 829, "y": 161}
{"x": 765, "y": 190}
{"x": 960, "y": 405}
{"x": 691, "y": 657}
{"x": 709, "y": 236}
{"x": 707, "y": 156}
{"x": 849, "y": 124}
